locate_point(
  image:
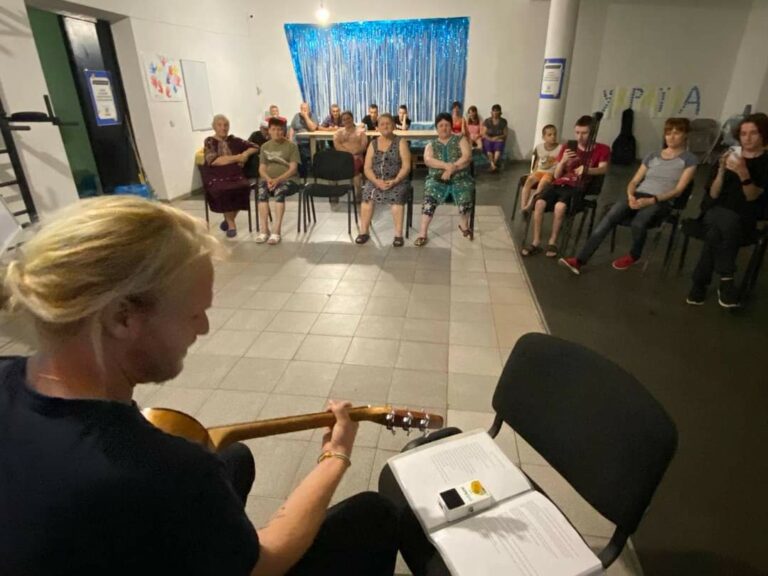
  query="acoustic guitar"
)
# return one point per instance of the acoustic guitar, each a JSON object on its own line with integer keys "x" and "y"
{"x": 218, "y": 437}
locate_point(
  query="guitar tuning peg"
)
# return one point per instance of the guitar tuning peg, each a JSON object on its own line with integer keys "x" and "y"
{"x": 407, "y": 421}
{"x": 390, "y": 420}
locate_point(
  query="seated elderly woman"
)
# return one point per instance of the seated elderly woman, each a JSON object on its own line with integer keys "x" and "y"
{"x": 228, "y": 190}
{"x": 387, "y": 163}
{"x": 448, "y": 158}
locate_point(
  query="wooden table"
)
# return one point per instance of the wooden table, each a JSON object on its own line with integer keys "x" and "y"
{"x": 313, "y": 137}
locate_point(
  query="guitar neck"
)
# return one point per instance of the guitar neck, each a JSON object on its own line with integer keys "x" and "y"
{"x": 223, "y": 436}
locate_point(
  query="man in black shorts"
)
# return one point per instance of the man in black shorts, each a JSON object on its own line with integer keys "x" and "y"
{"x": 566, "y": 185}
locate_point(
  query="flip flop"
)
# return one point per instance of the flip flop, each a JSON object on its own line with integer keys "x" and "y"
{"x": 468, "y": 233}
{"x": 420, "y": 241}
{"x": 531, "y": 250}
{"x": 362, "y": 238}
{"x": 551, "y": 251}
{"x": 398, "y": 241}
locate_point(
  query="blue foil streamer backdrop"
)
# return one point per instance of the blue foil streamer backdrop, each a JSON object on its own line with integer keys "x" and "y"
{"x": 419, "y": 63}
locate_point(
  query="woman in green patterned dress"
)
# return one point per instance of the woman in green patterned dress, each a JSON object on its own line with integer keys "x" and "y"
{"x": 448, "y": 159}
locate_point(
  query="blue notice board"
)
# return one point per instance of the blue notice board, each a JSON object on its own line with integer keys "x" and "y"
{"x": 102, "y": 97}
{"x": 552, "y": 78}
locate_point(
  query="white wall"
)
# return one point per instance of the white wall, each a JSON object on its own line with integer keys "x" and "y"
{"x": 674, "y": 43}
{"x": 22, "y": 86}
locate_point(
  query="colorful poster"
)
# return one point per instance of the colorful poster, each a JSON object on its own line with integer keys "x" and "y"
{"x": 102, "y": 97}
{"x": 164, "y": 80}
{"x": 652, "y": 100}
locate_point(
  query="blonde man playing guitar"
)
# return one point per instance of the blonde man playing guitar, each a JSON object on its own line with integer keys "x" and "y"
{"x": 118, "y": 289}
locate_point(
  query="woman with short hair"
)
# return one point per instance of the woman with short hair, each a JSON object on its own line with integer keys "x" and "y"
{"x": 734, "y": 203}
{"x": 387, "y": 163}
{"x": 228, "y": 189}
{"x": 448, "y": 158}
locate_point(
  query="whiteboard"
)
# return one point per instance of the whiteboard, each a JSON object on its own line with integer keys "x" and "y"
{"x": 198, "y": 94}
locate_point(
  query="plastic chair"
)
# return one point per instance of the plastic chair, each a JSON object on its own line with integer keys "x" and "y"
{"x": 338, "y": 169}
{"x": 592, "y": 421}
{"x": 672, "y": 218}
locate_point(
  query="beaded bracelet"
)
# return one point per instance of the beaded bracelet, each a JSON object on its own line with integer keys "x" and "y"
{"x": 329, "y": 454}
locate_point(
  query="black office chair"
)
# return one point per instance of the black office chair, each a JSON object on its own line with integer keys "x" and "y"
{"x": 336, "y": 169}
{"x": 592, "y": 421}
{"x": 678, "y": 206}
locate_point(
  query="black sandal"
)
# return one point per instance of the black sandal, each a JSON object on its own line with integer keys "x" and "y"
{"x": 531, "y": 250}
{"x": 362, "y": 238}
{"x": 552, "y": 251}
{"x": 398, "y": 241}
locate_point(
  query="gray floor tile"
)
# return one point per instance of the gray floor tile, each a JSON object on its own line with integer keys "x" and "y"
{"x": 335, "y": 325}
{"x": 203, "y": 371}
{"x": 417, "y": 388}
{"x": 362, "y": 383}
{"x": 390, "y": 327}
{"x": 372, "y": 352}
{"x": 281, "y": 345}
{"x": 254, "y": 374}
{"x": 308, "y": 378}
{"x": 225, "y": 407}
{"x": 294, "y": 322}
{"x": 423, "y": 356}
{"x": 230, "y": 342}
{"x": 317, "y": 348}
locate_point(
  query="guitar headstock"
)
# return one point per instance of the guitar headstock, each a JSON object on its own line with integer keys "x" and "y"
{"x": 399, "y": 418}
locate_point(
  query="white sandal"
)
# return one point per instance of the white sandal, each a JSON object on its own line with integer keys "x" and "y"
{"x": 273, "y": 239}
{"x": 261, "y": 238}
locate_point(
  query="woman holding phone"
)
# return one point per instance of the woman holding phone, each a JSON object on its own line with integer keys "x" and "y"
{"x": 735, "y": 201}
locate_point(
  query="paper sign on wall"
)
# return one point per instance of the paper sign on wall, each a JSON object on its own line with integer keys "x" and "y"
{"x": 552, "y": 78}
{"x": 102, "y": 97}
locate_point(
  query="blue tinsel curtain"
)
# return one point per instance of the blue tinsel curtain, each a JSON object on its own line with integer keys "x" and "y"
{"x": 419, "y": 63}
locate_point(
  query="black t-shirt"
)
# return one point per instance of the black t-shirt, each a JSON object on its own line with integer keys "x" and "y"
{"x": 369, "y": 122}
{"x": 89, "y": 487}
{"x": 732, "y": 192}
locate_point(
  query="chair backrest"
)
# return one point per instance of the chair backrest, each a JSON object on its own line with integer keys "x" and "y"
{"x": 594, "y": 185}
{"x": 681, "y": 201}
{"x": 333, "y": 165}
{"x": 591, "y": 420}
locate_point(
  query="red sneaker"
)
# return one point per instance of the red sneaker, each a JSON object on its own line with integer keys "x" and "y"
{"x": 624, "y": 262}
{"x": 572, "y": 264}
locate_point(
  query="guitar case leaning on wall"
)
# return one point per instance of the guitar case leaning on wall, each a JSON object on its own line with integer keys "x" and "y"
{"x": 624, "y": 150}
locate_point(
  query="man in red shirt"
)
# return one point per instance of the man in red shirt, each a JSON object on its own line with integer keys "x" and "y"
{"x": 566, "y": 185}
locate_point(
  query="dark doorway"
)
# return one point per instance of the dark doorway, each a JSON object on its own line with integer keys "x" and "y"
{"x": 83, "y": 78}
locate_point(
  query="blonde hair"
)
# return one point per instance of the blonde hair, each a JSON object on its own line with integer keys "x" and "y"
{"x": 101, "y": 250}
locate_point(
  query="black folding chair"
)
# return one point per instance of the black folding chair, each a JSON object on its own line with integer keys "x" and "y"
{"x": 521, "y": 183}
{"x": 592, "y": 421}
{"x": 672, "y": 217}
{"x": 336, "y": 170}
{"x": 694, "y": 228}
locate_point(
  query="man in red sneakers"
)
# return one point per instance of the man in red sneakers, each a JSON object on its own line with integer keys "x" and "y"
{"x": 661, "y": 177}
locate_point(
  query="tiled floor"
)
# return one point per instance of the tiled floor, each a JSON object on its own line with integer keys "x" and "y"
{"x": 318, "y": 317}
